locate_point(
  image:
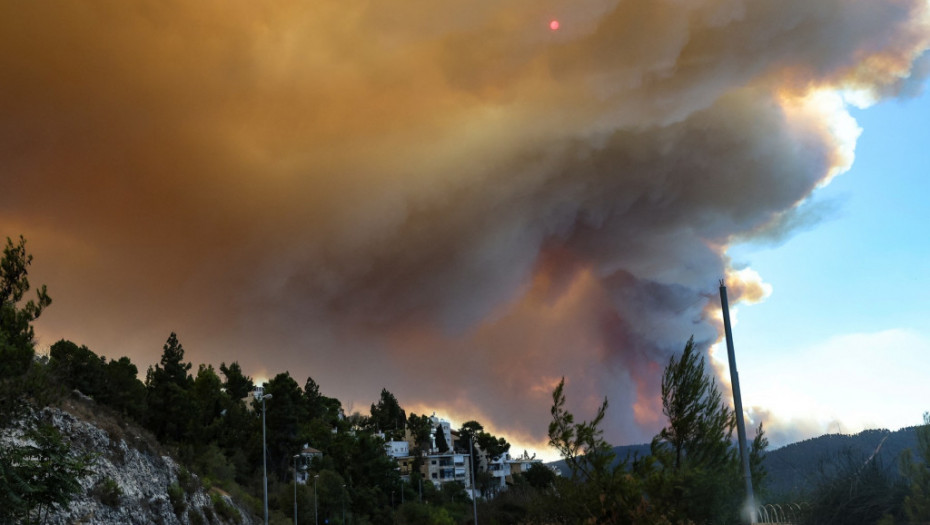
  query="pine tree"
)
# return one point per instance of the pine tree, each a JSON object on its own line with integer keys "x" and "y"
{"x": 917, "y": 473}
{"x": 388, "y": 417}
{"x": 170, "y": 407}
{"x": 599, "y": 490}
{"x": 237, "y": 385}
{"x": 694, "y": 471}
{"x": 38, "y": 476}
{"x": 17, "y": 337}
{"x": 173, "y": 367}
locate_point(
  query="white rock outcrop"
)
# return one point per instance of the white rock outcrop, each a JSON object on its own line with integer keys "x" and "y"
{"x": 127, "y": 459}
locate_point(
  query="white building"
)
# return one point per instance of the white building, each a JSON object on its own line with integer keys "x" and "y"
{"x": 443, "y": 468}
{"x": 307, "y": 454}
{"x": 397, "y": 449}
{"x": 440, "y": 426}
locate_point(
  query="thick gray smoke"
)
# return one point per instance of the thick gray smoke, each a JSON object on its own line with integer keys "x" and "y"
{"x": 448, "y": 200}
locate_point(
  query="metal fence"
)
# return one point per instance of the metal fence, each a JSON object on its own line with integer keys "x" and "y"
{"x": 781, "y": 513}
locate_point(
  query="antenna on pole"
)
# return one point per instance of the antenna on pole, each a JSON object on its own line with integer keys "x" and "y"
{"x": 737, "y": 405}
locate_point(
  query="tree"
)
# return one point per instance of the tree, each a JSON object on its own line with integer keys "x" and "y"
{"x": 170, "y": 406}
{"x": 582, "y": 445}
{"x": 208, "y": 404}
{"x": 39, "y": 475}
{"x": 468, "y": 434}
{"x": 855, "y": 490}
{"x": 237, "y": 385}
{"x": 314, "y": 400}
{"x": 17, "y": 337}
{"x": 15, "y": 485}
{"x": 486, "y": 445}
{"x": 917, "y": 473}
{"x": 115, "y": 384}
{"x": 387, "y": 416}
{"x": 694, "y": 472}
{"x": 494, "y": 447}
{"x": 441, "y": 444}
{"x": 285, "y": 413}
{"x": 419, "y": 427}
{"x": 756, "y": 456}
{"x": 173, "y": 367}
{"x": 78, "y": 367}
{"x": 539, "y": 476}
{"x": 122, "y": 389}
{"x": 599, "y": 489}
{"x": 700, "y": 425}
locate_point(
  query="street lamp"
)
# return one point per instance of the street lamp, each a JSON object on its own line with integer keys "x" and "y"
{"x": 471, "y": 460}
{"x": 260, "y": 395}
{"x": 316, "y": 512}
{"x": 295, "y": 487}
{"x": 343, "y": 504}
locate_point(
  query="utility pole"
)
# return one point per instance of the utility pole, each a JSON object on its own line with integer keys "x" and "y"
{"x": 738, "y": 406}
{"x": 262, "y": 396}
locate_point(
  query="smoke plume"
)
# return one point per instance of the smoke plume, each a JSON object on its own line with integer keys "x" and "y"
{"x": 446, "y": 199}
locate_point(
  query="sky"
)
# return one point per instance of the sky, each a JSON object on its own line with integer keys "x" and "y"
{"x": 463, "y": 205}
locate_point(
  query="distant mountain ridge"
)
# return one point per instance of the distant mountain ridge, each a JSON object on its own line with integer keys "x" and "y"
{"x": 794, "y": 468}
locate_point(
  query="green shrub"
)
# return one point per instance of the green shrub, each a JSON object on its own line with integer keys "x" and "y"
{"x": 176, "y": 495}
{"x": 224, "y": 509}
{"x": 195, "y": 518}
{"x": 108, "y": 492}
{"x": 189, "y": 482}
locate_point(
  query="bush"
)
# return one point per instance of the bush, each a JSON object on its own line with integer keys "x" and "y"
{"x": 855, "y": 490}
{"x": 107, "y": 491}
{"x": 176, "y": 495}
{"x": 189, "y": 482}
{"x": 224, "y": 509}
{"x": 195, "y": 518}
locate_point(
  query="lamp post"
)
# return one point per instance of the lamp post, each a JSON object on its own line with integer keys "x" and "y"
{"x": 260, "y": 395}
{"x": 471, "y": 460}
{"x": 295, "y": 487}
{"x": 343, "y": 504}
{"x": 316, "y": 511}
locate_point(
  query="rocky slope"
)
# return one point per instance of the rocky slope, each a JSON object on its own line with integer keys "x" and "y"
{"x": 133, "y": 481}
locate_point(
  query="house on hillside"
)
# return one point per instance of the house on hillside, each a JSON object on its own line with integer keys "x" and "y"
{"x": 449, "y": 460}
{"x": 303, "y": 461}
{"x": 443, "y": 468}
{"x": 521, "y": 464}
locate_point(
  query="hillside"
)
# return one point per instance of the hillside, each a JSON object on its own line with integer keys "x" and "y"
{"x": 795, "y": 468}
{"x": 132, "y": 478}
{"x": 623, "y": 452}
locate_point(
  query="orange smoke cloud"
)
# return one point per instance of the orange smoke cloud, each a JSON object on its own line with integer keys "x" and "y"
{"x": 446, "y": 199}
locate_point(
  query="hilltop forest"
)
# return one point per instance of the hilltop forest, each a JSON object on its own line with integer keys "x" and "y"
{"x": 208, "y": 419}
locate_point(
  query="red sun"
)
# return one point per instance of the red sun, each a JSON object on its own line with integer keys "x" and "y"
{"x": 554, "y": 25}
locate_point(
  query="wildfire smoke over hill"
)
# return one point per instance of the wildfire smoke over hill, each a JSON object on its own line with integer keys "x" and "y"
{"x": 447, "y": 199}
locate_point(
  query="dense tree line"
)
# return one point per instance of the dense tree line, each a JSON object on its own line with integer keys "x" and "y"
{"x": 208, "y": 416}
